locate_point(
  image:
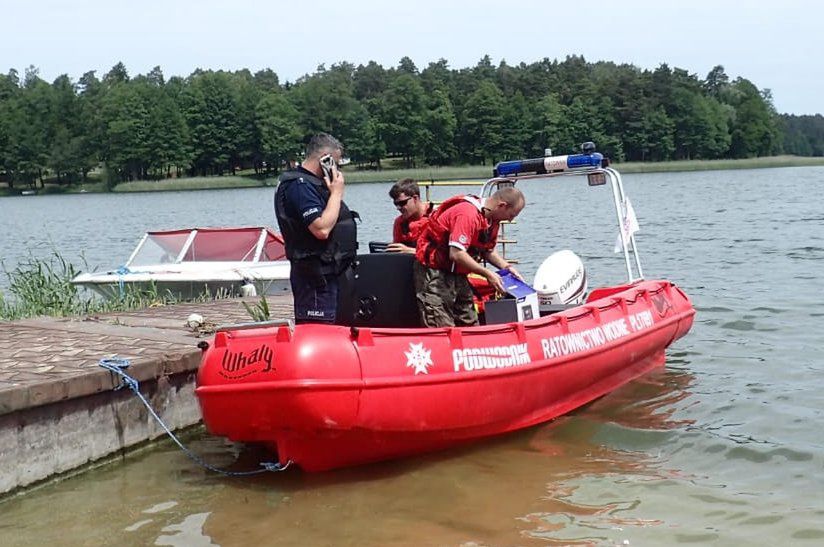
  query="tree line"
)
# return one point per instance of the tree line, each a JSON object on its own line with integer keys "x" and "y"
{"x": 216, "y": 122}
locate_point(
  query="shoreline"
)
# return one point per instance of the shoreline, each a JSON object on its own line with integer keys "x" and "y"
{"x": 477, "y": 172}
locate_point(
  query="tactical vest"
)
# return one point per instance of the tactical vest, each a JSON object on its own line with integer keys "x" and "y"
{"x": 304, "y": 250}
{"x": 433, "y": 249}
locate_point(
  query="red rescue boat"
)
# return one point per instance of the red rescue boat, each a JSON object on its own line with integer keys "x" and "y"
{"x": 326, "y": 396}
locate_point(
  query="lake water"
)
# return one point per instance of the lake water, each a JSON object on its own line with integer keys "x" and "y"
{"x": 721, "y": 447}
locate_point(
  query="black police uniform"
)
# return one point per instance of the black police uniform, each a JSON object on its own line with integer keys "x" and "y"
{"x": 321, "y": 275}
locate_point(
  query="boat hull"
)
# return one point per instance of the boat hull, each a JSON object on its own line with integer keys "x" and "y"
{"x": 183, "y": 289}
{"x": 194, "y": 262}
{"x": 327, "y": 396}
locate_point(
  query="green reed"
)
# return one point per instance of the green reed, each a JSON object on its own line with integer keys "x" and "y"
{"x": 42, "y": 287}
{"x": 260, "y": 311}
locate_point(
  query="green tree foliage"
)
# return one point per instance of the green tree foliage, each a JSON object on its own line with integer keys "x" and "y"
{"x": 364, "y": 144}
{"x": 324, "y": 98}
{"x": 66, "y": 150}
{"x": 652, "y": 137}
{"x": 437, "y": 77}
{"x": 277, "y": 122}
{"x": 551, "y": 127}
{"x": 754, "y": 129}
{"x": 369, "y": 81}
{"x": 29, "y": 130}
{"x": 717, "y": 82}
{"x": 439, "y": 123}
{"x": 803, "y": 135}
{"x": 167, "y": 135}
{"x": 150, "y": 127}
{"x": 92, "y": 125}
{"x": 482, "y": 124}
{"x": 211, "y": 108}
{"x": 402, "y": 116}
{"x": 9, "y": 89}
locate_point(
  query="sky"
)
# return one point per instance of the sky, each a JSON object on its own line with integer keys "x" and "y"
{"x": 776, "y": 45}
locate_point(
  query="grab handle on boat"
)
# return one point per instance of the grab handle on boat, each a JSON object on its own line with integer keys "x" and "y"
{"x": 257, "y": 325}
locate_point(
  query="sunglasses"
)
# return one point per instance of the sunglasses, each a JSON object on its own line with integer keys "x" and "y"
{"x": 401, "y": 202}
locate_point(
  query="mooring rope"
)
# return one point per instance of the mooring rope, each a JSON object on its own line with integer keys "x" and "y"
{"x": 117, "y": 364}
{"x": 121, "y": 271}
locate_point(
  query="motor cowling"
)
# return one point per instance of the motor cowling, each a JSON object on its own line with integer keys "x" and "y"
{"x": 561, "y": 280}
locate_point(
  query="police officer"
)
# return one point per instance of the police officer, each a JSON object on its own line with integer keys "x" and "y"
{"x": 319, "y": 232}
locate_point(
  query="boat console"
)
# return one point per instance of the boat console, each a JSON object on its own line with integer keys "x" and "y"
{"x": 383, "y": 295}
{"x": 384, "y": 292}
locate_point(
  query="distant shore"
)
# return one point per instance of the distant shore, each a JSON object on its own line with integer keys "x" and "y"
{"x": 474, "y": 172}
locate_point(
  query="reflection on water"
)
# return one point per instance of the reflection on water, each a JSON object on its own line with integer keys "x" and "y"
{"x": 188, "y": 532}
{"x": 722, "y": 447}
{"x": 519, "y": 489}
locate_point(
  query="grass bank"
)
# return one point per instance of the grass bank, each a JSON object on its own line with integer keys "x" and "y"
{"x": 464, "y": 172}
{"x": 717, "y": 165}
{"x": 192, "y": 183}
{"x": 467, "y": 172}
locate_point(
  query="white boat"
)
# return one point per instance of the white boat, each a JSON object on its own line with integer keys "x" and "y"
{"x": 192, "y": 262}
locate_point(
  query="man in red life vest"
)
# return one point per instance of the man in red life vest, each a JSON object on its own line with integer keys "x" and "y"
{"x": 414, "y": 216}
{"x": 462, "y": 231}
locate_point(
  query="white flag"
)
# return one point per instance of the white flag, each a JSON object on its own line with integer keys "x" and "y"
{"x": 629, "y": 225}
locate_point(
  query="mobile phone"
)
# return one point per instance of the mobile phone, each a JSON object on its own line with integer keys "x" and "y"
{"x": 327, "y": 164}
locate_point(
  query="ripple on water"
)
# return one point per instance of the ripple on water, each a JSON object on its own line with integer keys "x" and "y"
{"x": 696, "y": 538}
{"x": 762, "y": 456}
{"x": 739, "y": 325}
{"x": 809, "y": 533}
{"x": 806, "y": 253}
{"x": 629, "y": 438}
{"x": 766, "y": 519}
{"x": 768, "y": 309}
{"x": 806, "y": 219}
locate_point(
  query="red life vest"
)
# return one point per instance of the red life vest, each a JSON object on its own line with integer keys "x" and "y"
{"x": 408, "y": 231}
{"x": 433, "y": 247}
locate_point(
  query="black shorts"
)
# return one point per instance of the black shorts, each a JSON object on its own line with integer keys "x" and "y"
{"x": 316, "y": 298}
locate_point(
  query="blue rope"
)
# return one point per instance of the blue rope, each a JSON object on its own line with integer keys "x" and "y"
{"x": 121, "y": 271}
{"x": 117, "y": 364}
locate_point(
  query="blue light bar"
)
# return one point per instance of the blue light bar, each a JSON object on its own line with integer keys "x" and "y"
{"x": 551, "y": 164}
{"x": 584, "y": 160}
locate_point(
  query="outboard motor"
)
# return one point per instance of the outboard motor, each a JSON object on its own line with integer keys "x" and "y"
{"x": 561, "y": 282}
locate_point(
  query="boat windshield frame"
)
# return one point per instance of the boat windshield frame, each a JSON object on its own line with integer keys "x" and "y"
{"x": 632, "y": 259}
{"x": 255, "y": 251}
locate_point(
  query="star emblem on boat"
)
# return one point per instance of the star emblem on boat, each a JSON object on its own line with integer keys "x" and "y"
{"x": 418, "y": 358}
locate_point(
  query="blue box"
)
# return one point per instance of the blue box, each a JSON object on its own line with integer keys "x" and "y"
{"x": 514, "y": 286}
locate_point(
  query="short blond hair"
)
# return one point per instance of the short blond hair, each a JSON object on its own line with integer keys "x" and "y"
{"x": 511, "y": 196}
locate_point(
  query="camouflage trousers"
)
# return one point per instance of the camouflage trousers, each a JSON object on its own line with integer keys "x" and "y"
{"x": 444, "y": 298}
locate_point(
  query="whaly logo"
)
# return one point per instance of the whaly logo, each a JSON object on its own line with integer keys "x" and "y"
{"x": 239, "y": 364}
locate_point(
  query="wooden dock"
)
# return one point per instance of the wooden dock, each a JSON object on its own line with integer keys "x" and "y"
{"x": 58, "y": 408}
